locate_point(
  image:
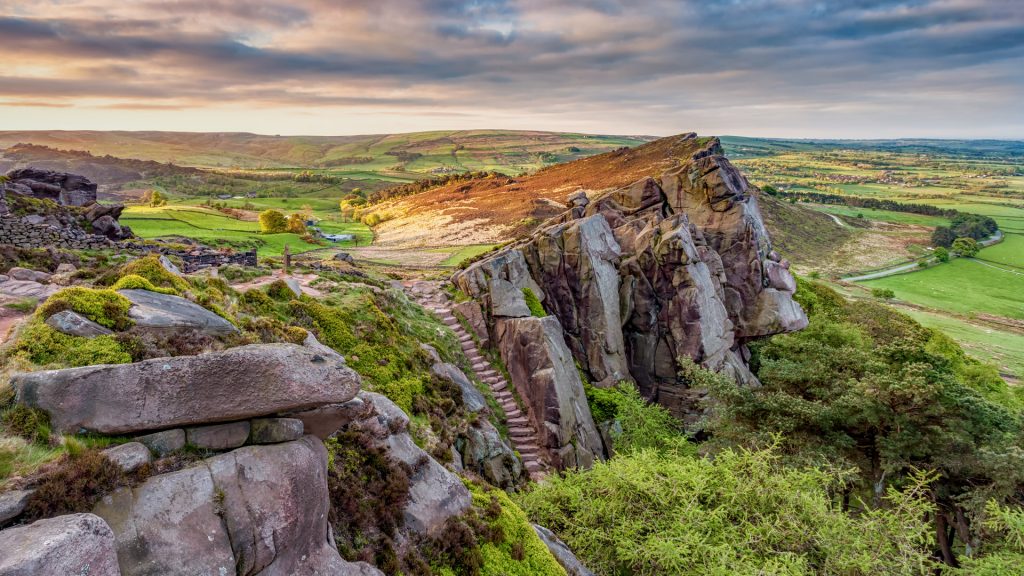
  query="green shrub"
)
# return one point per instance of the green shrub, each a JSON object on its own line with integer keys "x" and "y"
{"x": 31, "y": 424}
{"x": 883, "y": 293}
{"x": 533, "y": 303}
{"x": 256, "y": 300}
{"x": 279, "y": 290}
{"x": 654, "y": 513}
{"x": 149, "y": 267}
{"x": 272, "y": 222}
{"x": 104, "y": 307}
{"x": 44, "y": 346}
{"x": 643, "y": 425}
{"x": 520, "y": 551}
{"x": 136, "y": 282}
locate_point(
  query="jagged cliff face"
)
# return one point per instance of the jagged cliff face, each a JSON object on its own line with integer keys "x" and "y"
{"x": 679, "y": 265}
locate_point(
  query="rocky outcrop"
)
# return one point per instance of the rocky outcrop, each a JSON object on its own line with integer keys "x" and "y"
{"x": 72, "y": 544}
{"x": 561, "y": 552}
{"x": 541, "y": 368}
{"x": 640, "y": 276}
{"x": 435, "y": 494}
{"x": 236, "y": 384}
{"x": 73, "y": 219}
{"x": 256, "y": 510}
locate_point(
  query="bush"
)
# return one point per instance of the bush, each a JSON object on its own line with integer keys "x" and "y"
{"x": 296, "y": 224}
{"x": 136, "y": 282}
{"x": 883, "y": 293}
{"x": 77, "y": 483}
{"x": 740, "y": 513}
{"x": 533, "y": 303}
{"x": 279, "y": 290}
{"x": 941, "y": 254}
{"x": 104, "y": 307}
{"x": 257, "y": 300}
{"x": 44, "y": 346}
{"x": 643, "y": 425}
{"x": 513, "y": 549}
{"x": 149, "y": 267}
{"x": 31, "y": 424}
{"x": 272, "y": 222}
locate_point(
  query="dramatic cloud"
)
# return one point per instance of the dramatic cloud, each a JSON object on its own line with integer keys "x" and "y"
{"x": 856, "y": 68}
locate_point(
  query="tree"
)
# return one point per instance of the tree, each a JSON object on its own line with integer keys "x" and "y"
{"x": 966, "y": 247}
{"x": 296, "y": 224}
{"x": 156, "y": 199}
{"x": 942, "y": 254}
{"x": 943, "y": 236}
{"x": 272, "y": 222}
{"x": 865, "y": 386}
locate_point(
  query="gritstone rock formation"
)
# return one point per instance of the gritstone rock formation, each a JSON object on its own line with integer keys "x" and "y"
{"x": 635, "y": 278}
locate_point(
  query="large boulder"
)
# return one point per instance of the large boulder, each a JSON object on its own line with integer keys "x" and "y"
{"x": 543, "y": 372}
{"x": 236, "y": 384}
{"x": 435, "y": 494}
{"x": 259, "y": 510}
{"x": 165, "y": 312}
{"x": 73, "y": 323}
{"x": 71, "y": 544}
{"x": 61, "y": 187}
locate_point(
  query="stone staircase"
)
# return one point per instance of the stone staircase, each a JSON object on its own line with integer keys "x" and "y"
{"x": 520, "y": 430}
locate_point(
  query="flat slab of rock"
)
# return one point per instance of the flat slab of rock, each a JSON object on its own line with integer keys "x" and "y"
{"x": 155, "y": 311}
{"x": 561, "y": 552}
{"x": 12, "y": 504}
{"x": 27, "y": 289}
{"x": 218, "y": 436}
{"x": 72, "y": 544}
{"x": 129, "y": 456}
{"x": 163, "y": 443}
{"x": 236, "y": 384}
{"x": 29, "y": 275}
{"x": 275, "y": 430}
{"x": 75, "y": 324}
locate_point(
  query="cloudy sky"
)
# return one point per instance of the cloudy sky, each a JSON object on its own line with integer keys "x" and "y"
{"x": 791, "y": 68}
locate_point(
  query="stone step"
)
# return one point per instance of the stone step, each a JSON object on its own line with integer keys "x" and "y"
{"x": 479, "y": 367}
{"x": 467, "y": 344}
{"x": 508, "y": 405}
{"x": 511, "y": 414}
{"x": 450, "y": 320}
{"x": 475, "y": 358}
{"x": 465, "y": 337}
{"x": 528, "y": 451}
{"x": 487, "y": 373}
{"x": 498, "y": 386}
{"x": 520, "y": 432}
{"x": 443, "y": 312}
{"x": 516, "y": 421}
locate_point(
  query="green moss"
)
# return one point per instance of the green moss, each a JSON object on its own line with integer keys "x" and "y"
{"x": 256, "y": 300}
{"x": 533, "y": 303}
{"x": 150, "y": 268}
{"x": 105, "y": 307}
{"x": 44, "y": 346}
{"x": 521, "y": 551}
{"x": 136, "y": 282}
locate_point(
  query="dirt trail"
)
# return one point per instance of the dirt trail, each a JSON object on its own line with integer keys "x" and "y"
{"x": 304, "y": 281}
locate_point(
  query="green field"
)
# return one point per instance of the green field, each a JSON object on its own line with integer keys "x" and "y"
{"x": 465, "y": 252}
{"x": 963, "y": 286}
{"x": 211, "y": 227}
{"x": 1003, "y": 349}
{"x": 882, "y": 215}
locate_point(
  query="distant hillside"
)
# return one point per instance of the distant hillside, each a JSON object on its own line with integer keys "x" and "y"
{"x": 741, "y": 146}
{"x": 502, "y": 150}
{"x": 105, "y": 170}
{"x": 493, "y": 210}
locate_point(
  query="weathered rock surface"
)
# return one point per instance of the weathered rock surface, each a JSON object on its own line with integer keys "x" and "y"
{"x": 73, "y": 323}
{"x": 256, "y": 510}
{"x": 218, "y": 436}
{"x": 542, "y": 370}
{"x": 130, "y": 456}
{"x": 163, "y": 443}
{"x": 482, "y": 450}
{"x": 472, "y": 399}
{"x": 75, "y": 544}
{"x": 324, "y": 421}
{"x": 474, "y": 315}
{"x": 236, "y": 384}
{"x": 435, "y": 494}
{"x": 640, "y": 276}
{"x": 29, "y": 275}
{"x": 27, "y": 289}
{"x": 12, "y": 504}
{"x": 275, "y": 430}
{"x": 166, "y": 312}
{"x": 561, "y": 552}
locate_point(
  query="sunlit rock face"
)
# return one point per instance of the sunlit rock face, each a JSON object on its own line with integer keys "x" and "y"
{"x": 678, "y": 264}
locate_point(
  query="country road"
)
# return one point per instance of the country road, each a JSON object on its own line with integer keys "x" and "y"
{"x": 901, "y": 268}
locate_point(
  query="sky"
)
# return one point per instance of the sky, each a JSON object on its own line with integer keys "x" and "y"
{"x": 783, "y": 68}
